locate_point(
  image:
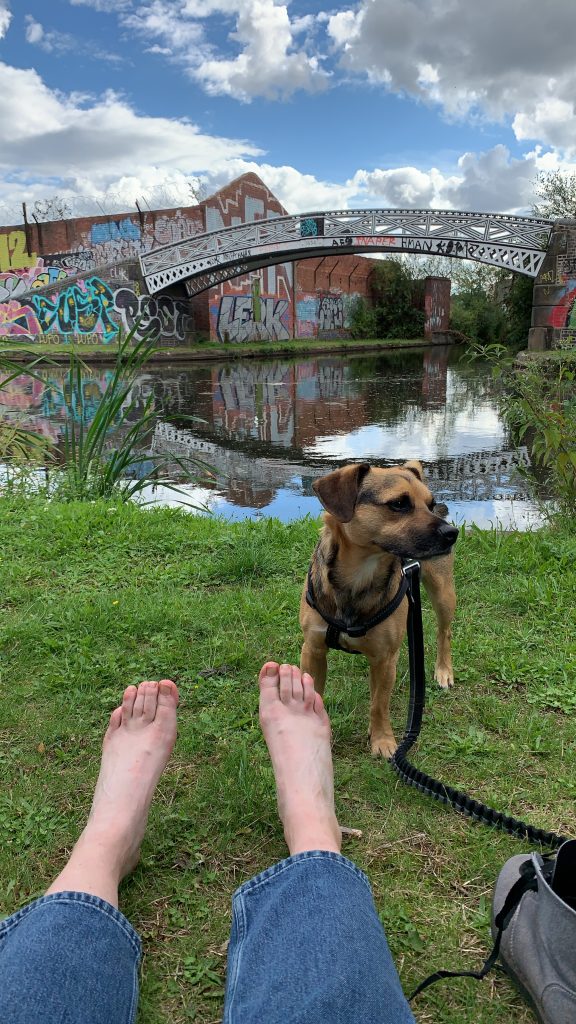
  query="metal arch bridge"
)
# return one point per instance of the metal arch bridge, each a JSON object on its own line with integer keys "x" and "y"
{"x": 516, "y": 243}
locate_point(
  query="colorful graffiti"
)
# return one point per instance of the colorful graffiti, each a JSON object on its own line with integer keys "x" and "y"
{"x": 114, "y": 231}
{"x": 237, "y": 318}
{"x": 83, "y": 308}
{"x": 17, "y": 320}
{"x": 323, "y": 315}
{"x": 14, "y": 254}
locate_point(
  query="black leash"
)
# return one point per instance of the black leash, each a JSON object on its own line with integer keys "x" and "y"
{"x": 459, "y": 801}
{"x": 454, "y": 798}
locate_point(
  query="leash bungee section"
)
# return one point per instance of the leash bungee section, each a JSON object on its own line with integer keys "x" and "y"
{"x": 412, "y": 776}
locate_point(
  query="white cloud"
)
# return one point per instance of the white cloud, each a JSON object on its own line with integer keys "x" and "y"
{"x": 269, "y": 63}
{"x": 495, "y": 60}
{"x": 71, "y": 139}
{"x": 5, "y": 17}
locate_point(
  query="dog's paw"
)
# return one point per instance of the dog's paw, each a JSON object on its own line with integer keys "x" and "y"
{"x": 444, "y": 677}
{"x": 383, "y": 746}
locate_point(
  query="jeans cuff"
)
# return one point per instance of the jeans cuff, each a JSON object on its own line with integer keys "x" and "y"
{"x": 289, "y": 862}
{"x": 84, "y": 899}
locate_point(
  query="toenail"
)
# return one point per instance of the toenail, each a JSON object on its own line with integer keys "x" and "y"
{"x": 271, "y": 671}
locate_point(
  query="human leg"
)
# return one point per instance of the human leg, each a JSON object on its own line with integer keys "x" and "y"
{"x": 71, "y": 956}
{"x": 307, "y": 944}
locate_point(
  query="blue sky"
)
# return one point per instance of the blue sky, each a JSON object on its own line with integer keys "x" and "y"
{"x": 425, "y": 103}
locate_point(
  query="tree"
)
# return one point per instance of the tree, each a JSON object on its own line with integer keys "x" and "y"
{"x": 393, "y": 294}
{"x": 557, "y": 194}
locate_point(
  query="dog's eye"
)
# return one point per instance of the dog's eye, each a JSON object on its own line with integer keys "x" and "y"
{"x": 402, "y": 504}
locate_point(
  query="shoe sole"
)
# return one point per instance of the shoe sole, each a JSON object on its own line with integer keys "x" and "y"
{"x": 522, "y": 990}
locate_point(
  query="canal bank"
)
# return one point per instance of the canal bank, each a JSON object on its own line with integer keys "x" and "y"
{"x": 207, "y": 352}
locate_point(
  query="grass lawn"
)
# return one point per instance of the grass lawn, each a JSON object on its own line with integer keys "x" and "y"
{"x": 211, "y": 349}
{"x": 96, "y": 596}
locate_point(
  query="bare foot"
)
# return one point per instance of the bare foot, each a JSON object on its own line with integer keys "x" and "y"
{"x": 296, "y": 728}
{"x": 136, "y": 748}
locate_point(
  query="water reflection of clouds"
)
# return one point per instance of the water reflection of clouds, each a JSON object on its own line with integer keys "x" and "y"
{"x": 427, "y": 437}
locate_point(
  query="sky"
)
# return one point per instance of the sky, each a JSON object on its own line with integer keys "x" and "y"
{"x": 440, "y": 104}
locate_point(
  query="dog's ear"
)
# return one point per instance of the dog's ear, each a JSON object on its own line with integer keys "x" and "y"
{"x": 338, "y": 491}
{"x": 415, "y": 467}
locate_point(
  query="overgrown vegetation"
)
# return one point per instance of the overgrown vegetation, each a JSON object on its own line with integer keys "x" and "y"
{"x": 95, "y": 596}
{"x": 88, "y": 464}
{"x": 539, "y": 402}
{"x": 18, "y": 444}
{"x": 392, "y": 311}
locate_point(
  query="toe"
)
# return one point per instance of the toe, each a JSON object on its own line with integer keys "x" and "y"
{"x": 285, "y": 683}
{"x": 268, "y": 678}
{"x": 150, "y": 701}
{"x": 128, "y": 703}
{"x": 138, "y": 709}
{"x": 297, "y": 687}
{"x": 309, "y": 692}
{"x": 168, "y": 695}
{"x": 115, "y": 720}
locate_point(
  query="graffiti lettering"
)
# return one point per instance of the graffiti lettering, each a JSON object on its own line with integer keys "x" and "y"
{"x": 237, "y": 321}
{"x": 330, "y": 313}
{"x": 78, "y": 310}
{"x": 17, "y": 320}
{"x": 73, "y": 262}
{"x": 345, "y": 240}
{"x": 163, "y": 317}
{"x": 311, "y": 227}
{"x": 115, "y": 231}
{"x": 13, "y": 254}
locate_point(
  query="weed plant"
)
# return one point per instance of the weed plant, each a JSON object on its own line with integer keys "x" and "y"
{"x": 108, "y": 457}
{"x": 539, "y": 403}
{"x": 18, "y": 445}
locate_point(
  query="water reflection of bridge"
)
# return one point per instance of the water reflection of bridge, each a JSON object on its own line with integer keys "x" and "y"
{"x": 252, "y": 481}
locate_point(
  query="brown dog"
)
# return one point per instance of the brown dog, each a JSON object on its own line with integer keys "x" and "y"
{"x": 374, "y": 518}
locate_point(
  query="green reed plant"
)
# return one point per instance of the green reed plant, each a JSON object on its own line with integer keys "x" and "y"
{"x": 18, "y": 445}
{"x": 539, "y": 404}
{"x": 99, "y": 466}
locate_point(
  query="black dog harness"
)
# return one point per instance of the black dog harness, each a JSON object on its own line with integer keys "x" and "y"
{"x": 338, "y": 626}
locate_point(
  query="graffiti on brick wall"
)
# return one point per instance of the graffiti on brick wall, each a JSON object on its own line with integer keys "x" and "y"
{"x": 83, "y": 308}
{"x": 115, "y": 231}
{"x": 323, "y": 315}
{"x": 330, "y": 314}
{"x": 250, "y": 317}
{"x": 13, "y": 252}
{"x": 17, "y": 320}
{"x": 563, "y": 313}
{"x": 72, "y": 262}
{"x": 157, "y": 318}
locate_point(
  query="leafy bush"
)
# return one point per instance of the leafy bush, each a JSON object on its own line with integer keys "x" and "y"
{"x": 539, "y": 401}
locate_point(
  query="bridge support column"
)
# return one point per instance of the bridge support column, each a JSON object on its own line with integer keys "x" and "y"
{"x": 554, "y": 297}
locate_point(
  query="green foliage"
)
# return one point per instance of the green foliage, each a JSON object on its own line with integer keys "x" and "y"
{"x": 477, "y": 315}
{"x": 556, "y": 192}
{"x": 17, "y": 444}
{"x": 362, "y": 318}
{"x": 109, "y": 456}
{"x": 539, "y": 401}
{"x": 393, "y": 294}
{"x": 517, "y": 304}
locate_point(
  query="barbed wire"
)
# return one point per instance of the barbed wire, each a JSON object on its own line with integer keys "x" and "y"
{"x": 63, "y": 206}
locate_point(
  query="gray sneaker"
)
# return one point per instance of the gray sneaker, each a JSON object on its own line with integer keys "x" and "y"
{"x": 538, "y": 944}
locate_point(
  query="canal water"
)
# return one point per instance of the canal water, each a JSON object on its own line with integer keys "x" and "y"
{"x": 268, "y": 428}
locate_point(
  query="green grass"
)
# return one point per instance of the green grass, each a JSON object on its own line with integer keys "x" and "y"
{"x": 212, "y": 349}
{"x": 95, "y": 596}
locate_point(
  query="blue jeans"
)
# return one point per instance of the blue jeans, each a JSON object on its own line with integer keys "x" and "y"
{"x": 306, "y": 947}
